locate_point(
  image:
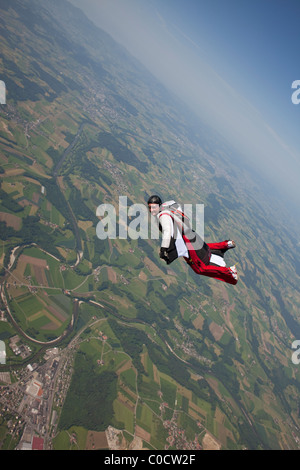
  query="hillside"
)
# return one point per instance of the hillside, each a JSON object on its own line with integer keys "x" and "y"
{"x": 184, "y": 361}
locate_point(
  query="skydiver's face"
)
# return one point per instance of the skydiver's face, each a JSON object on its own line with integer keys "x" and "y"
{"x": 154, "y": 209}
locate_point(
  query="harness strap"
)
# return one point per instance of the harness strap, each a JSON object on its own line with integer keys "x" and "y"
{"x": 175, "y": 221}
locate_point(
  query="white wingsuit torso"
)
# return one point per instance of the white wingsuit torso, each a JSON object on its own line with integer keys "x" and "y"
{"x": 167, "y": 221}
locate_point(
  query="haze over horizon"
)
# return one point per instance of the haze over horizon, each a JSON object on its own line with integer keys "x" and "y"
{"x": 233, "y": 64}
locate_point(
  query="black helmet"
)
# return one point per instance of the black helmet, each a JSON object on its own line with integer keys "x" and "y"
{"x": 154, "y": 200}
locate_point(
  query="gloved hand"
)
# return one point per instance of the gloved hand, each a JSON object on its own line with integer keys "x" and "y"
{"x": 164, "y": 254}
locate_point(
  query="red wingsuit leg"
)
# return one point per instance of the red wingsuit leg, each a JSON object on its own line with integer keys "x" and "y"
{"x": 218, "y": 272}
{"x": 219, "y": 246}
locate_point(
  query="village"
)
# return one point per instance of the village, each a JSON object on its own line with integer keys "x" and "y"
{"x": 28, "y": 395}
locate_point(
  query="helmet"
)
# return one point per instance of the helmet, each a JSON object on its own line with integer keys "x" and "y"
{"x": 154, "y": 200}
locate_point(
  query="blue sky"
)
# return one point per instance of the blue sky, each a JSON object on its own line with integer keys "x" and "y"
{"x": 233, "y": 61}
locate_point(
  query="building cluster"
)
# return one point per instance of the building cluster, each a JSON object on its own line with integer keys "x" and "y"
{"x": 117, "y": 175}
{"x": 19, "y": 348}
{"x": 177, "y": 437}
{"x": 28, "y": 402}
{"x": 187, "y": 345}
{"x": 36, "y": 403}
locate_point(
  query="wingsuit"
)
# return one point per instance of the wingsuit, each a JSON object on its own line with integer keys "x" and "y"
{"x": 179, "y": 239}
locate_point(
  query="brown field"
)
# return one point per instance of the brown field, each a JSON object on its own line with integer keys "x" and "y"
{"x": 37, "y": 268}
{"x": 198, "y": 322}
{"x": 63, "y": 251}
{"x": 10, "y": 187}
{"x": 11, "y": 220}
{"x": 85, "y": 224}
{"x": 19, "y": 273}
{"x": 24, "y": 202}
{"x": 40, "y": 275}
{"x": 154, "y": 270}
{"x": 126, "y": 364}
{"x": 126, "y": 402}
{"x": 35, "y": 198}
{"x": 5, "y": 127}
{"x": 209, "y": 443}
{"x": 219, "y": 415}
{"x": 143, "y": 276}
{"x": 14, "y": 172}
{"x": 112, "y": 276}
{"x": 51, "y": 326}
{"x": 214, "y": 384}
{"x": 185, "y": 392}
{"x": 31, "y": 180}
{"x": 35, "y": 261}
{"x": 140, "y": 432}
{"x": 33, "y": 210}
{"x": 195, "y": 416}
{"x": 216, "y": 330}
{"x": 96, "y": 440}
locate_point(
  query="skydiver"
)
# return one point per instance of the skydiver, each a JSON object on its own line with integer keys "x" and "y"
{"x": 179, "y": 239}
